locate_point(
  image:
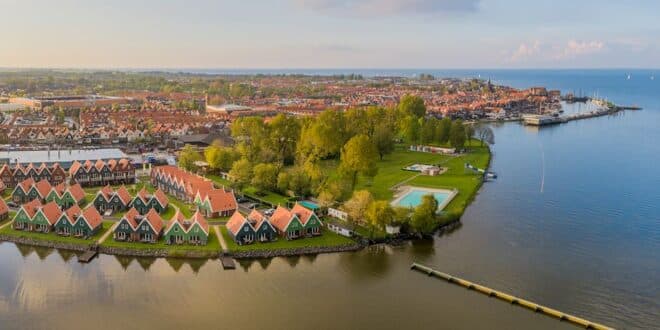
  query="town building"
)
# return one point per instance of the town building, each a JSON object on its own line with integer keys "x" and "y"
{"x": 108, "y": 200}
{"x": 36, "y": 217}
{"x": 66, "y": 196}
{"x": 28, "y": 190}
{"x": 11, "y": 176}
{"x": 297, "y": 222}
{"x": 194, "y": 231}
{"x": 134, "y": 227}
{"x": 179, "y": 183}
{"x": 79, "y": 223}
{"x": 216, "y": 203}
{"x": 145, "y": 201}
{"x": 101, "y": 173}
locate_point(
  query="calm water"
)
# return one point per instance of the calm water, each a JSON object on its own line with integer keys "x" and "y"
{"x": 572, "y": 222}
{"x": 414, "y": 197}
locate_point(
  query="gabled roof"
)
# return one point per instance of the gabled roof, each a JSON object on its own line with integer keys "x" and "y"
{"x": 221, "y": 200}
{"x": 132, "y": 216}
{"x": 43, "y": 188}
{"x": 236, "y": 222}
{"x": 77, "y": 192}
{"x": 106, "y": 192}
{"x": 161, "y": 198}
{"x": 154, "y": 220}
{"x": 75, "y": 166}
{"x": 73, "y": 213}
{"x": 25, "y": 185}
{"x": 303, "y": 213}
{"x": 52, "y": 212}
{"x": 31, "y": 208}
{"x": 59, "y": 189}
{"x": 177, "y": 219}
{"x": 281, "y": 218}
{"x": 201, "y": 220}
{"x": 123, "y": 194}
{"x": 92, "y": 216}
{"x": 3, "y": 206}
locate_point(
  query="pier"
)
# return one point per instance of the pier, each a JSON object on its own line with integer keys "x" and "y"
{"x": 510, "y": 298}
{"x": 88, "y": 255}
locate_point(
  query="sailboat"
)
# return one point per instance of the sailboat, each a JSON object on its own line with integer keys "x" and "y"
{"x": 629, "y": 76}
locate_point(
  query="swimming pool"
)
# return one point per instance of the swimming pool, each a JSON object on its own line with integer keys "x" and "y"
{"x": 309, "y": 204}
{"x": 412, "y": 196}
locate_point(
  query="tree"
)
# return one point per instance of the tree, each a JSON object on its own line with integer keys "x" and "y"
{"x": 442, "y": 130}
{"x": 424, "y": 217}
{"x": 284, "y": 133}
{"x": 324, "y": 136}
{"x": 383, "y": 138}
{"x": 188, "y": 156}
{"x": 379, "y": 214}
{"x": 485, "y": 134}
{"x": 457, "y": 134}
{"x": 264, "y": 176}
{"x": 358, "y": 157}
{"x": 412, "y": 105}
{"x": 410, "y": 129}
{"x": 241, "y": 173}
{"x": 427, "y": 131}
{"x": 401, "y": 215}
{"x": 218, "y": 157}
{"x": 357, "y": 205}
{"x": 469, "y": 132}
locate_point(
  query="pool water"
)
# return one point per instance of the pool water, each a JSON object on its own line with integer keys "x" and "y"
{"x": 414, "y": 197}
{"x": 310, "y": 205}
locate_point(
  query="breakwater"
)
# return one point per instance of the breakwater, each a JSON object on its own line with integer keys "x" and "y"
{"x": 510, "y": 298}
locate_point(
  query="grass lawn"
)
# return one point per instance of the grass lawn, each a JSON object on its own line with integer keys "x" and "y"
{"x": 213, "y": 245}
{"x": 168, "y": 213}
{"x": 270, "y": 197}
{"x": 52, "y": 237}
{"x": 328, "y": 239}
{"x": 185, "y": 208}
{"x": 390, "y": 172}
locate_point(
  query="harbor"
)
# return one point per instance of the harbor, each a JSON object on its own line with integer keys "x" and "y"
{"x": 604, "y": 108}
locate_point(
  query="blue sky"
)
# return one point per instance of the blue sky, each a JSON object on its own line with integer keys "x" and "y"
{"x": 330, "y": 34}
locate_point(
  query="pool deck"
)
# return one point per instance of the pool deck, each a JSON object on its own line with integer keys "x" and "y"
{"x": 402, "y": 191}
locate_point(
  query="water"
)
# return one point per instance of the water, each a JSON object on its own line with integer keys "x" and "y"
{"x": 572, "y": 222}
{"x": 414, "y": 197}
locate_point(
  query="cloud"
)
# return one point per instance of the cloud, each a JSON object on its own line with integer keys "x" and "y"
{"x": 525, "y": 51}
{"x": 390, "y": 7}
{"x": 578, "y": 48}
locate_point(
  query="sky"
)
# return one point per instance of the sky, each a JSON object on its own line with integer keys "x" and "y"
{"x": 243, "y": 34}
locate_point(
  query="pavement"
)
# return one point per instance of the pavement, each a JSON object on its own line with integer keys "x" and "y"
{"x": 223, "y": 244}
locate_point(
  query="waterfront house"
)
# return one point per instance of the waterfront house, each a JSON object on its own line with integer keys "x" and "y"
{"x": 263, "y": 229}
{"x": 144, "y": 201}
{"x": 4, "y": 210}
{"x": 134, "y": 227}
{"x": 287, "y": 223}
{"x": 193, "y": 231}
{"x": 240, "y": 229}
{"x": 310, "y": 221}
{"x": 39, "y": 191}
{"x": 79, "y": 223}
{"x": 108, "y": 200}
{"x": 34, "y": 216}
{"x": 216, "y": 203}
{"x": 65, "y": 196}
{"x": 10, "y": 177}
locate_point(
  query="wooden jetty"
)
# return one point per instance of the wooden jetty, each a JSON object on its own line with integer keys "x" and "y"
{"x": 88, "y": 255}
{"x": 509, "y": 298}
{"x": 227, "y": 261}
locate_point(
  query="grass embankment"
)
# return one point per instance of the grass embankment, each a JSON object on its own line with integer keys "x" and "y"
{"x": 327, "y": 239}
{"x": 53, "y": 237}
{"x": 213, "y": 245}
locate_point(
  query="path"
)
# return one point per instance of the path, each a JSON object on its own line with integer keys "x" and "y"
{"x": 223, "y": 244}
{"x": 7, "y": 224}
{"x": 107, "y": 234}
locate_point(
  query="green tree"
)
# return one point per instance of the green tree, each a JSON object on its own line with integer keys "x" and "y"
{"x": 379, "y": 214}
{"x": 412, "y": 105}
{"x": 356, "y": 206}
{"x": 264, "y": 176}
{"x": 188, "y": 156}
{"x": 424, "y": 217}
{"x": 284, "y": 133}
{"x": 241, "y": 173}
{"x": 457, "y": 135}
{"x": 358, "y": 157}
{"x": 410, "y": 129}
{"x": 401, "y": 215}
{"x": 442, "y": 131}
{"x": 383, "y": 138}
{"x": 219, "y": 158}
{"x": 427, "y": 132}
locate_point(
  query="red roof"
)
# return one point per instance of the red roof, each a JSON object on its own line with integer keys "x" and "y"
{"x": 43, "y": 187}
{"x": 221, "y": 200}
{"x": 281, "y": 218}
{"x": 161, "y": 197}
{"x": 201, "y": 220}
{"x": 31, "y": 207}
{"x": 26, "y": 184}
{"x": 303, "y": 213}
{"x": 154, "y": 220}
{"x": 73, "y": 213}
{"x": 77, "y": 192}
{"x": 132, "y": 216}
{"x": 52, "y": 212}
{"x": 93, "y": 217}
{"x": 3, "y": 206}
{"x": 236, "y": 222}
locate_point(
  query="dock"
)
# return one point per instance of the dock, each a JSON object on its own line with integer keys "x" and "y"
{"x": 227, "y": 261}
{"x": 510, "y": 298}
{"x": 88, "y": 255}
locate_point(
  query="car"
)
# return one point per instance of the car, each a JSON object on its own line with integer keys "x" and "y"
{"x": 242, "y": 200}
{"x": 251, "y": 205}
{"x": 269, "y": 212}
{"x": 12, "y": 204}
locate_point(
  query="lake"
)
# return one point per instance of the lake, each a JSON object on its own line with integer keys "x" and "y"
{"x": 572, "y": 222}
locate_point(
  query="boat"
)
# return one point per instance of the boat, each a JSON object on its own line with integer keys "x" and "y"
{"x": 629, "y": 76}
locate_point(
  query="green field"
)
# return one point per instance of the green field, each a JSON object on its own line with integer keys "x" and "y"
{"x": 390, "y": 173}
{"x": 52, "y": 237}
{"x": 213, "y": 245}
{"x": 328, "y": 239}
